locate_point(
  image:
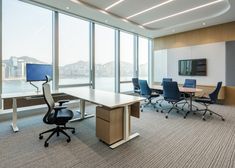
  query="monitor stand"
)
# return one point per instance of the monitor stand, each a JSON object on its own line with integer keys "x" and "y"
{"x": 34, "y": 86}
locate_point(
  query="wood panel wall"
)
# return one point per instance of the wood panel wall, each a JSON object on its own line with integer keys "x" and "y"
{"x": 213, "y": 34}
{"x": 218, "y": 33}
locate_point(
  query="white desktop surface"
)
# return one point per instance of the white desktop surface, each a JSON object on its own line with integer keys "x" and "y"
{"x": 105, "y": 98}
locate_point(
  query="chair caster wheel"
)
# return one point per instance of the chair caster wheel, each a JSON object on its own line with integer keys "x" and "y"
{"x": 184, "y": 117}
{"x": 166, "y": 117}
{"x": 73, "y": 131}
{"x": 160, "y": 105}
{"x": 177, "y": 111}
{"x": 203, "y": 119}
{"x": 210, "y": 113}
{"x": 194, "y": 113}
{"x": 40, "y": 137}
{"x": 176, "y": 105}
{"x": 68, "y": 140}
{"x": 223, "y": 119}
{"x": 161, "y": 111}
{"x": 141, "y": 110}
{"x": 156, "y": 110}
{"x": 46, "y": 144}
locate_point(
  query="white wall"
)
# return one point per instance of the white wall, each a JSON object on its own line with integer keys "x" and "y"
{"x": 214, "y": 53}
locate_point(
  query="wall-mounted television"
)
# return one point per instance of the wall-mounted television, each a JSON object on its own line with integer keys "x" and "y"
{"x": 193, "y": 67}
{"x": 38, "y": 72}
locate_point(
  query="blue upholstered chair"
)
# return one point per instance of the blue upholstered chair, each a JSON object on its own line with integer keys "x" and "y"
{"x": 172, "y": 95}
{"x": 146, "y": 92}
{"x": 212, "y": 99}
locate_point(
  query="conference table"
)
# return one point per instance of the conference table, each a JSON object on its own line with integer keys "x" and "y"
{"x": 190, "y": 91}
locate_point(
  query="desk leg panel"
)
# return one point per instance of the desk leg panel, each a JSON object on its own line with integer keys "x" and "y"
{"x": 126, "y": 134}
{"x": 14, "y": 115}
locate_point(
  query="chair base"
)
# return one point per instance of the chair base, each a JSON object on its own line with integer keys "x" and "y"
{"x": 211, "y": 112}
{"x": 174, "y": 106}
{"x": 57, "y": 130}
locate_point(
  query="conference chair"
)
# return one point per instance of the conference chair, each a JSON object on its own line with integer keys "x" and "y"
{"x": 135, "y": 82}
{"x": 189, "y": 83}
{"x": 207, "y": 101}
{"x": 146, "y": 92}
{"x": 160, "y": 92}
{"x": 172, "y": 95}
{"x": 56, "y": 115}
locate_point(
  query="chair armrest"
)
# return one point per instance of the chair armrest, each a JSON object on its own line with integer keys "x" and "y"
{"x": 61, "y": 102}
{"x": 56, "y": 108}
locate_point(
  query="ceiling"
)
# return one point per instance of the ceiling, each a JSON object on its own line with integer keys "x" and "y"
{"x": 151, "y": 18}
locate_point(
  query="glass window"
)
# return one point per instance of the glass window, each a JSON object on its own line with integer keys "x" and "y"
{"x": 126, "y": 60}
{"x": 143, "y": 58}
{"x": 27, "y": 38}
{"x": 104, "y": 58}
{"x": 73, "y": 50}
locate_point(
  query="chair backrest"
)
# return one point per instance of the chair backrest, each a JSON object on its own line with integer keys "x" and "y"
{"x": 48, "y": 99}
{"x": 171, "y": 91}
{"x": 144, "y": 88}
{"x": 190, "y": 83}
{"x": 166, "y": 80}
{"x": 135, "y": 82}
{"x": 214, "y": 95}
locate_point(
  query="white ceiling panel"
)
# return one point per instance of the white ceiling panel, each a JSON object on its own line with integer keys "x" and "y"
{"x": 219, "y": 13}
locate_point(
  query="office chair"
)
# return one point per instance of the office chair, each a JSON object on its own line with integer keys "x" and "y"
{"x": 172, "y": 95}
{"x": 58, "y": 115}
{"x": 189, "y": 83}
{"x": 136, "y": 85}
{"x": 146, "y": 92}
{"x": 160, "y": 92}
{"x": 212, "y": 99}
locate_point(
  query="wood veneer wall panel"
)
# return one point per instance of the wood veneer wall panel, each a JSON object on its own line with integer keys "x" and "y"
{"x": 230, "y": 95}
{"x": 218, "y": 33}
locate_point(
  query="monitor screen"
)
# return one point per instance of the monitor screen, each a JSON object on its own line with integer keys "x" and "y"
{"x": 37, "y": 72}
{"x": 194, "y": 67}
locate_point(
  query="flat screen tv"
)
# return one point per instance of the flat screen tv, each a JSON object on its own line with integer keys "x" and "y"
{"x": 193, "y": 67}
{"x": 37, "y": 72}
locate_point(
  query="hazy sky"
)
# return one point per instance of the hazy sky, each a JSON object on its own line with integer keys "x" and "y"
{"x": 27, "y": 31}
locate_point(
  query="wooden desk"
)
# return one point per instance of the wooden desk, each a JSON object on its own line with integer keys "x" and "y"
{"x": 26, "y": 95}
{"x": 110, "y": 100}
{"x": 189, "y": 91}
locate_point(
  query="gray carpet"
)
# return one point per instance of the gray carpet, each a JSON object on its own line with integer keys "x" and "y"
{"x": 169, "y": 143}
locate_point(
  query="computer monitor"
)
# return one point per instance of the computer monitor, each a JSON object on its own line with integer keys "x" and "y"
{"x": 38, "y": 72}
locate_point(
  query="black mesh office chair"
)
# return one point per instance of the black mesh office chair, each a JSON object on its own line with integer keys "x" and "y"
{"x": 58, "y": 115}
{"x": 212, "y": 99}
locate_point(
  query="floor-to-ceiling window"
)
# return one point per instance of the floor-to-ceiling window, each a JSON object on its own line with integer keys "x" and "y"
{"x": 104, "y": 58}
{"x": 126, "y": 61}
{"x": 73, "y": 51}
{"x": 143, "y": 57}
{"x": 26, "y": 38}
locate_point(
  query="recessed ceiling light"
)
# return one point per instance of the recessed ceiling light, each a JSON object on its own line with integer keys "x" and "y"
{"x": 67, "y": 7}
{"x": 183, "y": 12}
{"x": 104, "y": 12}
{"x": 114, "y": 4}
{"x": 146, "y": 10}
{"x": 125, "y": 20}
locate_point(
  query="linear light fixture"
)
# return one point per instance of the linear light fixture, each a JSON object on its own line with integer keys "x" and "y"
{"x": 114, "y": 4}
{"x": 149, "y": 9}
{"x": 183, "y": 12}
